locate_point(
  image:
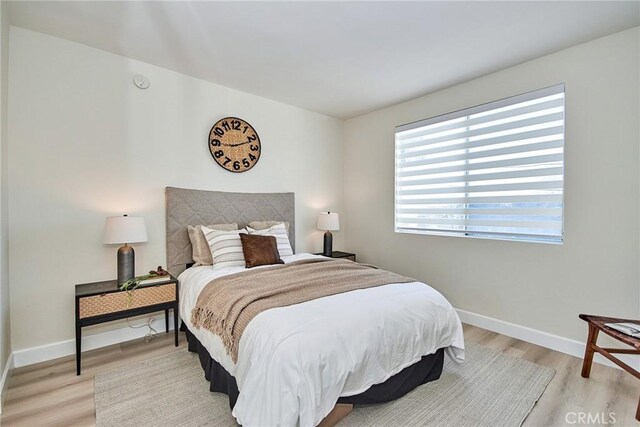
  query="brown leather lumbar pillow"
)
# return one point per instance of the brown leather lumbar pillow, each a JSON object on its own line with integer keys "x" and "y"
{"x": 260, "y": 250}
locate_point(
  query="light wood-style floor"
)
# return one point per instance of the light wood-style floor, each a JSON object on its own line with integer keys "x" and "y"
{"x": 50, "y": 393}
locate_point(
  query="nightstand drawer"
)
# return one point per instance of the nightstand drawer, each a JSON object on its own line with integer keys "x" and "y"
{"x": 120, "y": 301}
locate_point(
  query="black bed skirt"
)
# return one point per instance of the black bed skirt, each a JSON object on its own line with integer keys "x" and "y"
{"x": 426, "y": 369}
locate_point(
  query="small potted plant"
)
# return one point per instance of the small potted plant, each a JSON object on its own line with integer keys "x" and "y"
{"x": 132, "y": 284}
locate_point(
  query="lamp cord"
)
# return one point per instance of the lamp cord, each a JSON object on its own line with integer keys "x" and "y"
{"x": 152, "y": 332}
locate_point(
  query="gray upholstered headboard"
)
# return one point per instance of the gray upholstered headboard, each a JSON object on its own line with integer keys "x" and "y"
{"x": 194, "y": 207}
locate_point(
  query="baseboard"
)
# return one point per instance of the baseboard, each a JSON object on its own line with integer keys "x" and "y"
{"x": 29, "y": 356}
{"x": 543, "y": 339}
{"x": 4, "y": 380}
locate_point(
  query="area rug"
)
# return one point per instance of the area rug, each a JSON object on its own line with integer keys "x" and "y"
{"x": 489, "y": 389}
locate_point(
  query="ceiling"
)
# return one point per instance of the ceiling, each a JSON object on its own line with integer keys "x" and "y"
{"x": 341, "y": 59}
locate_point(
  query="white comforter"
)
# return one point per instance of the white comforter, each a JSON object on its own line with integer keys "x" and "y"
{"x": 294, "y": 362}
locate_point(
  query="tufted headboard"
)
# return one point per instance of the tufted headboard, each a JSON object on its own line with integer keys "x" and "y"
{"x": 194, "y": 207}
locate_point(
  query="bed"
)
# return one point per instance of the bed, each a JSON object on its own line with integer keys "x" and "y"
{"x": 295, "y": 363}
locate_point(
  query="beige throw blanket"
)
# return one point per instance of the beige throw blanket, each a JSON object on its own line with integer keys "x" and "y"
{"x": 226, "y": 305}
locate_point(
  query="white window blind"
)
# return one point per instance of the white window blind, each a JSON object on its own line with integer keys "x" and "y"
{"x": 495, "y": 170}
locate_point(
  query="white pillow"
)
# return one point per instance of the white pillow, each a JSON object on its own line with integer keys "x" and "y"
{"x": 280, "y": 233}
{"x": 226, "y": 247}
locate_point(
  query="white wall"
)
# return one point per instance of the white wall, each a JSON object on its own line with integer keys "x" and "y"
{"x": 540, "y": 286}
{"x": 5, "y": 322}
{"x": 85, "y": 143}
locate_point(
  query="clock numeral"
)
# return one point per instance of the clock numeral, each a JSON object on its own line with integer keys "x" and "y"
{"x": 226, "y": 126}
{"x": 236, "y": 165}
{"x": 218, "y": 154}
{"x": 245, "y": 163}
{"x": 235, "y": 124}
{"x": 254, "y": 147}
{"x": 245, "y": 129}
{"x": 251, "y": 138}
{"x": 218, "y": 131}
{"x": 226, "y": 160}
{"x": 252, "y": 157}
{"x": 215, "y": 142}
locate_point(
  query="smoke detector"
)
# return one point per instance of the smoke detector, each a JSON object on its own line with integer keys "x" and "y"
{"x": 140, "y": 81}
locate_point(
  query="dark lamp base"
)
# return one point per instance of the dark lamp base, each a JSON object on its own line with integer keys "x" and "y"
{"x": 126, "y": 263}
{"x": 328, "y": 244}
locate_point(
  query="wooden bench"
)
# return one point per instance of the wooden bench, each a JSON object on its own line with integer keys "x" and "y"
{"x": 596, "y": 324}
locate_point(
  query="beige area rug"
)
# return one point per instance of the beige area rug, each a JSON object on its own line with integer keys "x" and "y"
{"x": 489, "y": 389}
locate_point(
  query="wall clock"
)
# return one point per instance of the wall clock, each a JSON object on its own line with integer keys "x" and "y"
{"x": 234, "y": 144}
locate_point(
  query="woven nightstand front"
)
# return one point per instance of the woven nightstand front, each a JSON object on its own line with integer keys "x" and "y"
{"x": 120, "y": 301}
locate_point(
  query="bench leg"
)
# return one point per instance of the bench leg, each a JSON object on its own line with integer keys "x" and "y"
{"x": 588, "y": 352}
{"x": 638, "y": 411}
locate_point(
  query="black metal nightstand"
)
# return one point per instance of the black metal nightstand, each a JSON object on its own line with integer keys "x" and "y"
{"x": 339, "y": 254}
{"x": 101, "y": 302}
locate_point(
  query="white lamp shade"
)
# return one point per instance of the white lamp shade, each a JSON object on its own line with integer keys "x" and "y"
{"x": 328, "y": 221}
{"x": 124, "y": 229}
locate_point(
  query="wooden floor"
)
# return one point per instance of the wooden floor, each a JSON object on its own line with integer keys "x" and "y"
{"x": 50, "y": 393}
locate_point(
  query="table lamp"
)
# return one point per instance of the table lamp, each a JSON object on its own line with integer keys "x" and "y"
{"x": 328, "y": 221}
{"x": 124, "y": 230}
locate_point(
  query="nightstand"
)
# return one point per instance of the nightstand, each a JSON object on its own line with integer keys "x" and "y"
{"x": 101, "y": 302}
{"x": 339, "y": 254}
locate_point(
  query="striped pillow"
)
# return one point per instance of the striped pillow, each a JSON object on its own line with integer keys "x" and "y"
{"x": 261, "y": 225}
{"x": 226, "y": 247}
{"x": 201, "y": 254}
{"x": 280, "y": 233}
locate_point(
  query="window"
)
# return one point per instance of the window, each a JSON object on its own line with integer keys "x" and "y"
{"x": 495, "y": 170}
